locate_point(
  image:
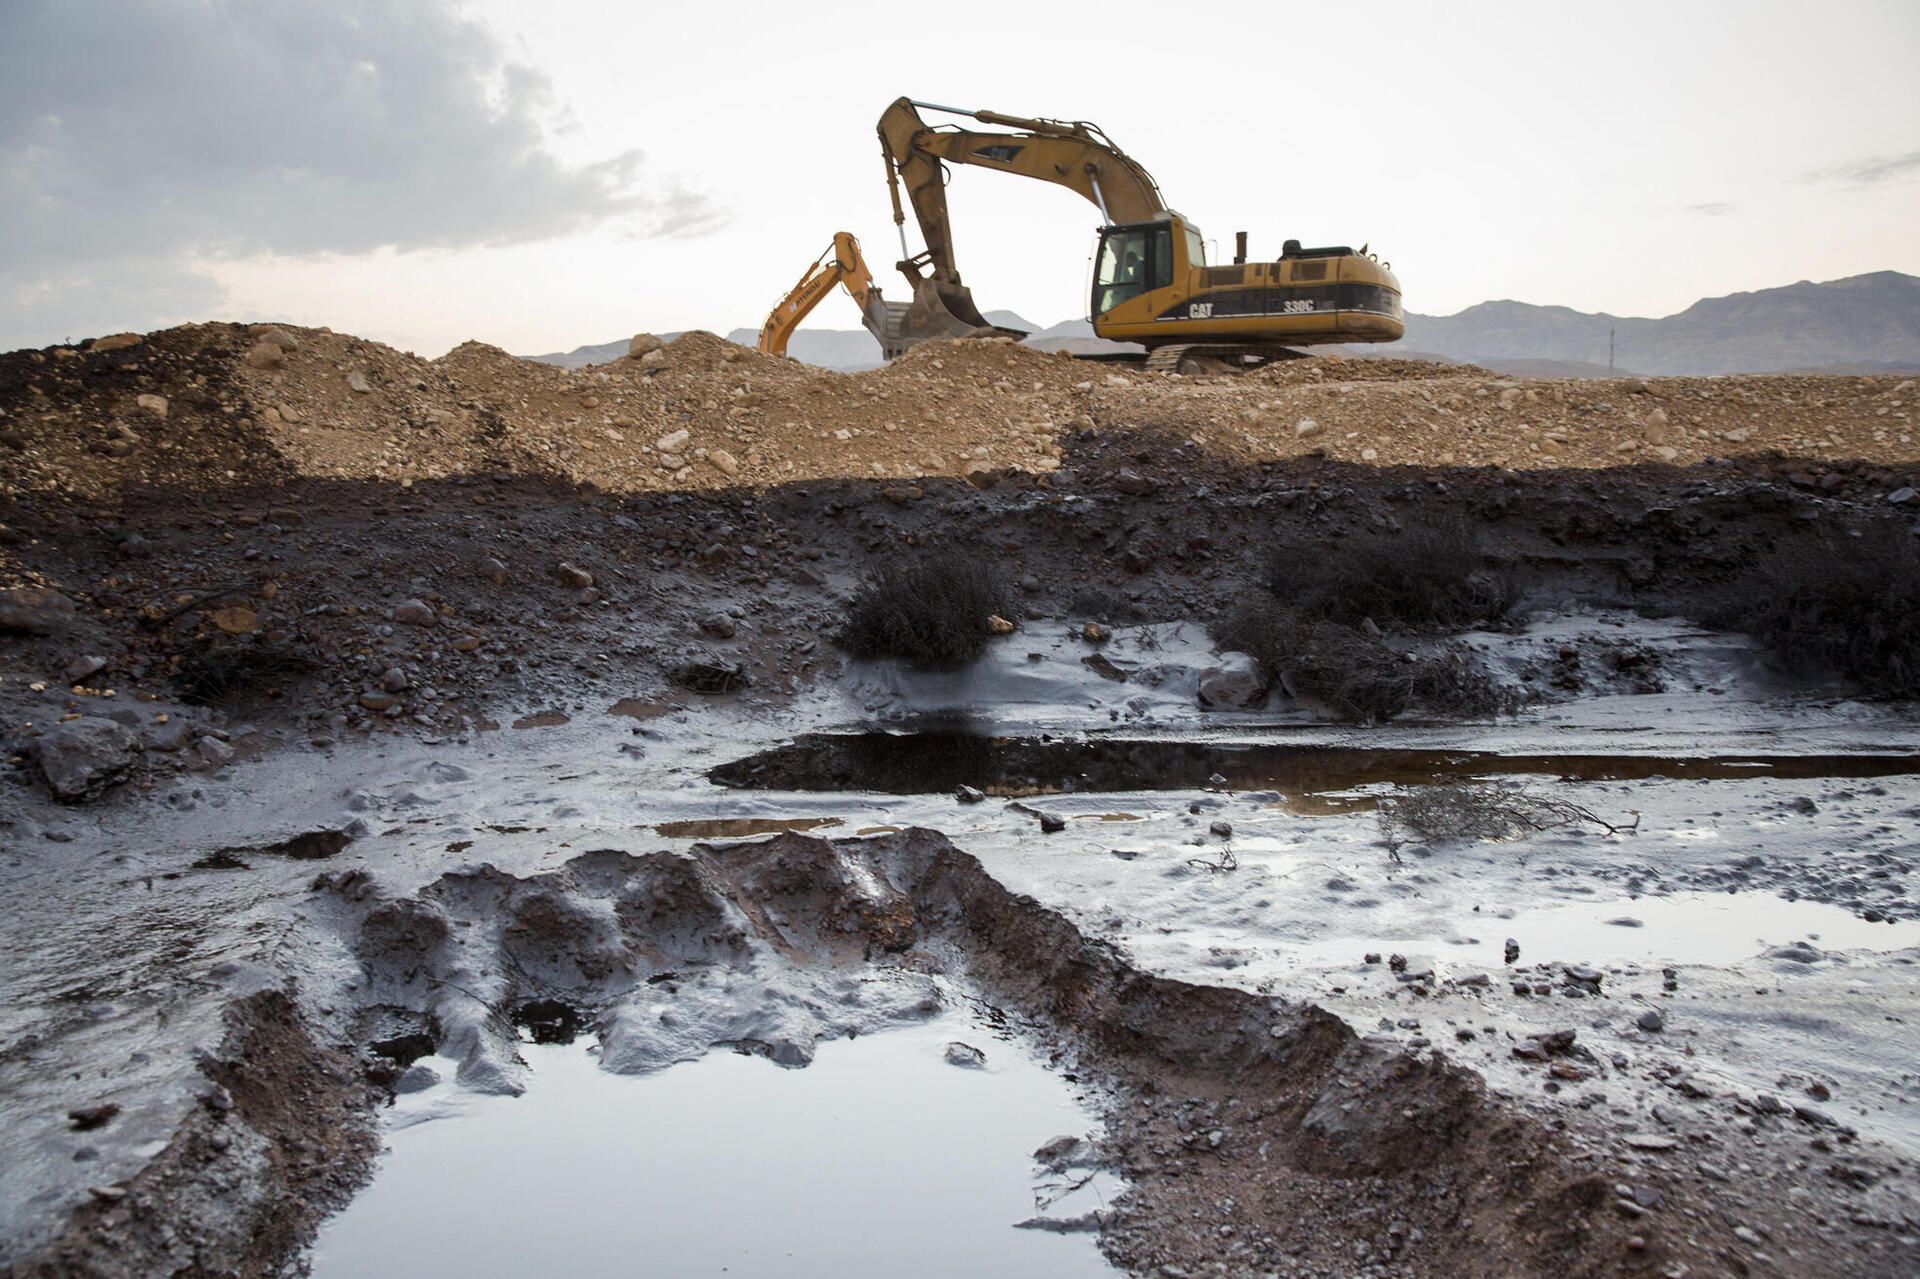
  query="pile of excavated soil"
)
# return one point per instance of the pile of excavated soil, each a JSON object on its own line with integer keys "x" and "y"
{"x": 210, "y": 405}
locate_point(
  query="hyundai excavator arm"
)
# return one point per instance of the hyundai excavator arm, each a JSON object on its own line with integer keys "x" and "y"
{"x": 840, "y": 265}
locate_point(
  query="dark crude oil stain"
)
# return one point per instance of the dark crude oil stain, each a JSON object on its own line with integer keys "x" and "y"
{"x": 929, "y": 763}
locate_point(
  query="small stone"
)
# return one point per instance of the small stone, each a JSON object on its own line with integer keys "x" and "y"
{"x": 87, "y": 1118}
{"x": 673, "y": 442}
{"x": 35, "y": 610}
{"x": 358, "y": 384}
{"x": 1902, "y": 496}
{"x": 574, "y": 578}
{"x": 902, "y": 494}
{"x": 154, "y": 404}
{"x": 1652, "y": 1021}
{"x": 998, "y": 625}
{"x": 413, "y": 613}
{"x": 265, "y": 355}
{"x": 966, "y": 1056}
{"x": 1222, "y": 829}
{"x": 1134, "y": 484}
{"x": 718, "y": 625}
{"x": 1094, "y": 633}
{"x": 82, "y": 667}
{"x": 493, "y": 570}
{"x": 273, "y": 335}
{"x": 1052, "y": 823}
{"x": 1513, "y": 951}
{"x": 1306, "y": 427}
{"x": 213, "y": 752}
{"x": 722, "y": 461}
{"x": 969, "y": 795}
{"x": 377, "y": 701}
{"x": 394, "y": 680}
{"x": 1235, "y": 682}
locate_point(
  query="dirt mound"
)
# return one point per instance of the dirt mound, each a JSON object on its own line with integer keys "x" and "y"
{"x": 239, "y": 404}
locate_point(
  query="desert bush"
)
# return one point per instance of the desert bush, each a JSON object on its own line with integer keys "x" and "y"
{"x": 1429, "y": 577}
{"x": 237, "y": 674}
{"x": 933, "y": 611}
{"x": 1458, "y": 810}
{"x": 1352, "y": 673}
{"x": 1844, "y": 604}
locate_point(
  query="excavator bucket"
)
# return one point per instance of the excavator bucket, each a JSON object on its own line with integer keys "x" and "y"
{"x": 946, "y": 311}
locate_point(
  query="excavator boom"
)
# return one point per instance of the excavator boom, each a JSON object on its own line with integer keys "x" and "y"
{"x": 840, "y": 265}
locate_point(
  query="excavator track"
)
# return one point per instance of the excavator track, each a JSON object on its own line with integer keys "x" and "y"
{"x": 1168, "y": 358}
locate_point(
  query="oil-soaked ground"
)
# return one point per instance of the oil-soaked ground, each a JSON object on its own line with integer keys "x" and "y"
{"x": 516, "y": 831}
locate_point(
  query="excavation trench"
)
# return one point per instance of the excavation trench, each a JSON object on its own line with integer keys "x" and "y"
{"x": 784, "y": 947}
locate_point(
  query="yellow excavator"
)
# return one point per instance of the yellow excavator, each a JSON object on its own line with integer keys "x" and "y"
{"x": 1151, "y": 284}
{"x": 1151, "y": 280}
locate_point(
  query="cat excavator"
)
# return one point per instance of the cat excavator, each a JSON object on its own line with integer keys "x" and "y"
{"x": 1152, "y": 283}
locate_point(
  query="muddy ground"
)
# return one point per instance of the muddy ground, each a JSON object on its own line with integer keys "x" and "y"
{"x": 276, "y": 899}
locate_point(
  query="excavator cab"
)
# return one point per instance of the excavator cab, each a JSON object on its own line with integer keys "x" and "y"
{"x": 1135, "y": 259}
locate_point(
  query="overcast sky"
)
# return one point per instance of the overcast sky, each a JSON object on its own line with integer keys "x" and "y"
{"x": 543, "y": 175}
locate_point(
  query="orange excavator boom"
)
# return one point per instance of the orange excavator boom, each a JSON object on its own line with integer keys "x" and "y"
{"x": 840, "y": 266}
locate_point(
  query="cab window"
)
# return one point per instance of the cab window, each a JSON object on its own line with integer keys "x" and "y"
{"x": 1162, "y": 258}
{"x": 1121, "y": 272}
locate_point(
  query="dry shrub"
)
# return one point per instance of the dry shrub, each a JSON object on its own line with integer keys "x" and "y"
{"x": 236, "y": 674}
{"x": 1353, "y": 674}
{"x": 933, "y": 612}
{"x": 1430, "y": 577}
{"x": 1828, "y": 603}
{"x": 1458, "y": 810}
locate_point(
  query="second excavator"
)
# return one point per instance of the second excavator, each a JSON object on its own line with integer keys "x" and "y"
{"x": 1152, "y": 283}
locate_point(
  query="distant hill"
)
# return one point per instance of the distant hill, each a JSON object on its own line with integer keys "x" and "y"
{"x": 1865, "y": 320}
{"x": 1863, "y": 324}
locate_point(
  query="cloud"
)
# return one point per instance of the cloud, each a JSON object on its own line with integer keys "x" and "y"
{"x": 1878, "y": 168}
{"x": 138, "y": 136}
{"x": 1715, "y": 209}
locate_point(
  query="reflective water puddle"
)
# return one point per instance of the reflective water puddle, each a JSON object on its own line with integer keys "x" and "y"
{"x": 928, "y": 763}
{"x": 880, "y": 1158}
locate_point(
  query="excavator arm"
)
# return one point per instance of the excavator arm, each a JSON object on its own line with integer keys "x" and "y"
{"x": 840, "y": 265}
{"x": 1074, "y": 154}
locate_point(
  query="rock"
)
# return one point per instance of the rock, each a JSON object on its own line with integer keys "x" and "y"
{"x": 1306, "y": 427}
{"x": 1134, "y": 484}
{"x": 574, "y": 578}
{"x": 722, "y": 461}
{"x": 81, "y": 667}
{"x": 274, "y": 335}
{"x": 1544, "y": 1044}
{"x": 998, "y": 625}
{"x": 965, "y": 1055}
{"x": 902, "y": 494}
{"x": 358, "y": 384}
{"x": 394, "y": 680}
{"x": 1094, "y": 633}
{"x": 969, "y": 795}
{"x": 1513, "y": 950}
{"x": 34, "y": 610}
{"x": 87, "y": 1118}
{"x": 674, "y": 442}
{"x": 416, "y": 1078}
{"x": 493, "y": 570}
{"x": 1233, "y": 683}
{"x": 154, "y": 404}
{"x": 213, "y": 751}
{"x": 378, "y": 701}
{"x": 265, "y": 355}
{"x": 1223, "y": 830}
{"x": 1902, "y": 496}
{"x": 413, "y": 613}
{"x": 718, "y": 625}
{"x": 1652, "y": 1021}
{"x": 83, "y": 757}
{"x": 641, "y": 344}
{"x": 1052, "y": 823}
{"x": 653, "y": 359}
{"x": 115, "y": 342}
{"x": 170, "y": 736}
{"x": 1799, "y": 952}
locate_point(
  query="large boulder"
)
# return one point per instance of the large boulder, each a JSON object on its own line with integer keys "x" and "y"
{"x": 84, "y": 756}
{"x": 1234, "y": 683}
{"x": 35, "y": 611}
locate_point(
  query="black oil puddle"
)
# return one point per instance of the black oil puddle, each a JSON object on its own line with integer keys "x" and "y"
{"x": 929, "y": 763}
